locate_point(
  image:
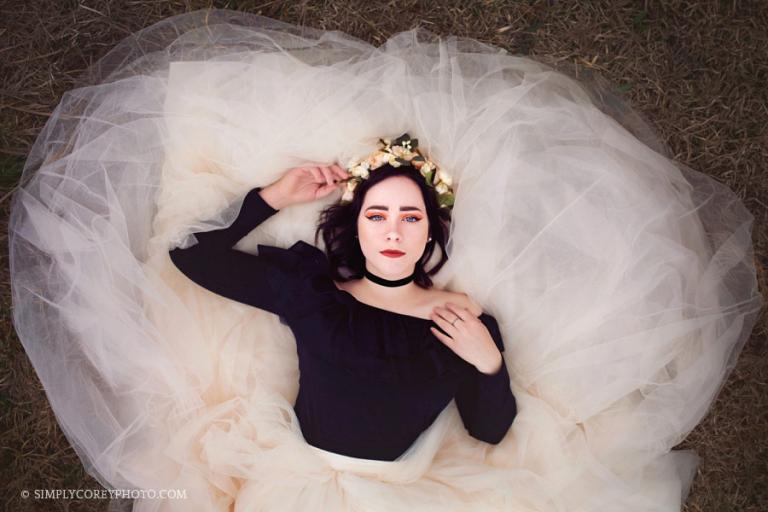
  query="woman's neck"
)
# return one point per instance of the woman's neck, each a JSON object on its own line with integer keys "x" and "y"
{"x": 382, "y": 294}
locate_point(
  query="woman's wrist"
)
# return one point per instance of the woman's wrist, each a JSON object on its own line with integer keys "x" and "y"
{"x": 495, "y": 369}
{"x": 272, "y": 196}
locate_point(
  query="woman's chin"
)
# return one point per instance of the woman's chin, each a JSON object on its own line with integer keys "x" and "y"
{"x": 393, "y": 268}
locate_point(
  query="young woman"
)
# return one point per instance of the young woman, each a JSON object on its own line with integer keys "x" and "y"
{"x": 388, "y": 335}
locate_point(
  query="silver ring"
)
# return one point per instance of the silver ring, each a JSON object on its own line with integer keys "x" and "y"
{"x": 454, "y": 321}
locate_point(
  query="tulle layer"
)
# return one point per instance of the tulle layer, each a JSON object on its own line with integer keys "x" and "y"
{"x": 623, "y": 282}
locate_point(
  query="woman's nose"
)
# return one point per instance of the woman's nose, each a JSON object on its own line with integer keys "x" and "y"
{"x": 393, "y": 234}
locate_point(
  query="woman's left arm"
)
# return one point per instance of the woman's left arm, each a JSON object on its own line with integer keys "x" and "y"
{"x": 485, "y": 401}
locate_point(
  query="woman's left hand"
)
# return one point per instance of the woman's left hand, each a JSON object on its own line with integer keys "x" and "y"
{"x": 467, "y": 337}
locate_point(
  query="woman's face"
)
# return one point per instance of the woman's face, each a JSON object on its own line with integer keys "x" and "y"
{"x": 393, "y": 216}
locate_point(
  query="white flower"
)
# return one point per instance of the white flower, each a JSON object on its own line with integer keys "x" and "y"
{"x": 379, "y": 158}
{"x": 444, "y": 177}
{"x": 349, "y": 190}
{"x": 360, "y": 170}
{"x": 441, "y": 188}
{"x": 402, "y": 152}
{"x": 392, "y": 160}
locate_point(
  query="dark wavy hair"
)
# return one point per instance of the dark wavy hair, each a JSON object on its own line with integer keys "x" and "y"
{"x": 338, "y": 226}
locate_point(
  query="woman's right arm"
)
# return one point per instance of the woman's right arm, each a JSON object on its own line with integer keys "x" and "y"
{"x": 213, "y": 263}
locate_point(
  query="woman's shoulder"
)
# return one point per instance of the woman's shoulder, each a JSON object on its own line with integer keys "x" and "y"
{"x": 299, "y": 274}
{"x": 441, "y": 297}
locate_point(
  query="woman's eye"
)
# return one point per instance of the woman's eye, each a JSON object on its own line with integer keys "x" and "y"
{"x": 416, "y": 219}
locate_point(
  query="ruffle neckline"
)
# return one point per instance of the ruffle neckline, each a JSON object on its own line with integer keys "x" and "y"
{"x": 403, "y": 350}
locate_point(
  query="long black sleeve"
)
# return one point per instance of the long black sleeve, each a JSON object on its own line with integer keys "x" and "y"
{"x": 485, "y": 402}
{"x": 215, "y": 265}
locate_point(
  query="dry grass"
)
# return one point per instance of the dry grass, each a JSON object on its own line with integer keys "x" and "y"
{"x": 696, "y": 70}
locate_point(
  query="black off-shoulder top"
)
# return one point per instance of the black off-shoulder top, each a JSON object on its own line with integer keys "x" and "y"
{"x": 371, "y": 380}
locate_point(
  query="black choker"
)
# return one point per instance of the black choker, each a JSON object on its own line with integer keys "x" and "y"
{"x": 386, "y": 282}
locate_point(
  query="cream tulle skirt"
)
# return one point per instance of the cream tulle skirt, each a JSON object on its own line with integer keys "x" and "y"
{"x": 622, "y": 281}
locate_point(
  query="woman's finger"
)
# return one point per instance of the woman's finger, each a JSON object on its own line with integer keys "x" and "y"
{"x": 340, "y": 171}
{"x": 442, "y": 337}
{"x": 442, "y": 322}
{"x": 325, "y": 190}
{"x": 327, "y": 175}
{"x": 446, "y": 313}
{"x": 458, "y": 311}
{"x": 316, "y": 174}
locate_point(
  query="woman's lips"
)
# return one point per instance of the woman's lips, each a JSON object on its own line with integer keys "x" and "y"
{"x": 392, "y": 254}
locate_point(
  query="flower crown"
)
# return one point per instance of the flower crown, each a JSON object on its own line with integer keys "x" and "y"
{"x": 402, "y": 151}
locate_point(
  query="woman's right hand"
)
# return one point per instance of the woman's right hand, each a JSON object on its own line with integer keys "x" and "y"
{"x": 305, "y": 184}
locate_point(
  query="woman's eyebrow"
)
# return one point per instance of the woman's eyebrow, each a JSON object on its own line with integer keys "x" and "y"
{"x": 402, "y": 208}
